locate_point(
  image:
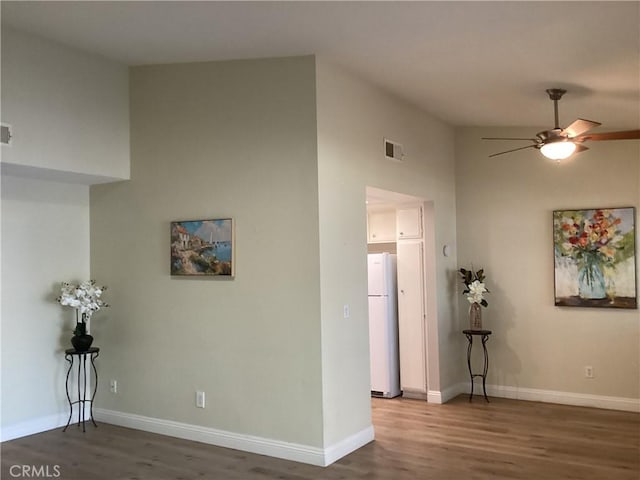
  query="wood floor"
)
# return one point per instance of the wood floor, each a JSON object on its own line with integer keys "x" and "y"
{"x": 505, "y": 439}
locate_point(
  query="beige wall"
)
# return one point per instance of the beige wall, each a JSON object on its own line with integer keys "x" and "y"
{"x": 220, "y": 139}
{"x": 69, "y": 111}
{"x": 70, "y": 117}
{"x": 353, "y": 119}
{"x": 504, "y": 221}
{"x": 45, "y": 241}
{"x": 239, "y": 139}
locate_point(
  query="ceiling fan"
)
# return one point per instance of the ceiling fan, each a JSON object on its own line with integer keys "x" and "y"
{"x": 560, "y": 143}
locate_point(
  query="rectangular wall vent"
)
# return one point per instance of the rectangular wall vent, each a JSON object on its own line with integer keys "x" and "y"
{"x": 5, "y": 134}
{"x": 393, "y": 150}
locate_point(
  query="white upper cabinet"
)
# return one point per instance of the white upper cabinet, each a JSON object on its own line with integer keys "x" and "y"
{"x": 409, "y": 222}
{"x": 382, "y": 226}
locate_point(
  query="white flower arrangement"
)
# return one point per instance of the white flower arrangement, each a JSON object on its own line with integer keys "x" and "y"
{"x": 476, "y": 291}
{"x": 475, "y": 287}
{"x": 85, "y": 298}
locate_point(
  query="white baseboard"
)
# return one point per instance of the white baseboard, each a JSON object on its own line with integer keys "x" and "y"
{"x": 434, "y": 396}
{"x": 33, "y": 426}
{"x": 248, "y": 443}
{"x": 551, "y": 396}
{"x": 343, "y": 448}
{"x": 445, "y": 395}
{"x": 304, "y": 453}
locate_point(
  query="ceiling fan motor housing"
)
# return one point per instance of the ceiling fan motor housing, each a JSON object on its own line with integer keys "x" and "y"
{"x": 553, "y": 135}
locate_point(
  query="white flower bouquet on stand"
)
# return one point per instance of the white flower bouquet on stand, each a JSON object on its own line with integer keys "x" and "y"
{"x": 474, "y": 292}
{"x": 86, "y": 299}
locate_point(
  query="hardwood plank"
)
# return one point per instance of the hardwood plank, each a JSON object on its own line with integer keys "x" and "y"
{"x": 506, "y": 439}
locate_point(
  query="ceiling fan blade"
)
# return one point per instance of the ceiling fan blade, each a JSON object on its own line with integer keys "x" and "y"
{"x": 509, "y": 138}
{"x": 579, "y": 127}
{"x": 509, "y": 151}
{"x": 626, "y": 135}
{"x": 580, "y": 148}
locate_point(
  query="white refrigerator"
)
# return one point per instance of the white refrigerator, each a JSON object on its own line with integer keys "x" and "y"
{"x": 383, "y": 325}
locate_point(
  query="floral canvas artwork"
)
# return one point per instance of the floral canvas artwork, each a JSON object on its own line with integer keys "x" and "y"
{"x": 202, "y": 247}
{"x": 595, "y": 263}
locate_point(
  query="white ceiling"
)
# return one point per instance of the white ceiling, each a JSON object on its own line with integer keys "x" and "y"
{"x": 468, "y": 63}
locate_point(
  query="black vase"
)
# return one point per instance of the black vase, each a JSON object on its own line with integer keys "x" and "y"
{"x": 81, "y": 343}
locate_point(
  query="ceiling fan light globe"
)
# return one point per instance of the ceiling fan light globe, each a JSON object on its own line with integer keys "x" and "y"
{"x": 558, "y": 150}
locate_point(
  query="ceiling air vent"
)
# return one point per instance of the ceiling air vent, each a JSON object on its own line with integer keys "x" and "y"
{"x": 5, "y": 134}
{"x": 393, "y": 150}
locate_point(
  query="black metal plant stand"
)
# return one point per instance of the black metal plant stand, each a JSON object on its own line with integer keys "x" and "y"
{"x": 484, "y": 335}
{"x": 70, "y": 355}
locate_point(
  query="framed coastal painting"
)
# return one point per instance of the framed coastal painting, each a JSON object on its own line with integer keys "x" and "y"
{"x": 595, "y": 260}
{"x": 203, "y": 247}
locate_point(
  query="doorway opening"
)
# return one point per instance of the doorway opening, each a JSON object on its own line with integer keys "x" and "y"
{"x": 401, "y": 225}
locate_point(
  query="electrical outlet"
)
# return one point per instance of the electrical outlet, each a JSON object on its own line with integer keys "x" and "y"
{"x": 113, "y": 386}
{"x": 200, "y": 399}
{"x": 588, "y": 371}
{"x": 346, "y": 313}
